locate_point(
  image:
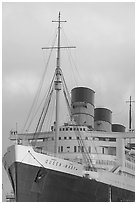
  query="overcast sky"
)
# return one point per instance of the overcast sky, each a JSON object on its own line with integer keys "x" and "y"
{"x": 104, "y": 36}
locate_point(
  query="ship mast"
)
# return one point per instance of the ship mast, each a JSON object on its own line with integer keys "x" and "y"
{"x": 58, "y": 80}
{"x": 58, "y": 83}
{"x": 130, "y": 113}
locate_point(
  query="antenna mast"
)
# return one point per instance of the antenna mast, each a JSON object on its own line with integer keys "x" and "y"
{"x": 58, "y": 82}
{"x": 130, "y": 112}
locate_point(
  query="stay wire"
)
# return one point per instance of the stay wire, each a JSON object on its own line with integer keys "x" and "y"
{"x": 51, "y": 111}
{"x": 44, "y": 98}
{"x": 39, "y": 89}
{"x": 42, "y": 81}
{"x": 41, "y": 121}
{"x": 70, "y": 55}
{"x": 46, "y": 102}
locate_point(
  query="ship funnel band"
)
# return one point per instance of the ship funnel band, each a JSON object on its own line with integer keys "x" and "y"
{"x": 103, "y": 114}
{"x": 118, "y": 128}
{"x": 82, "y": 94}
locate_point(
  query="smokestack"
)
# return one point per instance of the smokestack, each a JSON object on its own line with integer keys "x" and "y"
{"x": 102, "y": 119}
{"x": 82, "y": 106}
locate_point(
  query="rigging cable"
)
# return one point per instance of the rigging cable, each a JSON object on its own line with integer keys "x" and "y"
{"x": 85, "y": 153}
{"x": 38, "y": 90}
{"x": 71, "y": 57}
{"x": 44, "y": 111}
{"x": 45, "y": 96}
{"x": 66, "y": 95}
{"x": 51, "y": 113}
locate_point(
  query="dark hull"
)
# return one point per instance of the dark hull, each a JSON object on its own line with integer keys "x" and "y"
{"x": 35, "y": 184}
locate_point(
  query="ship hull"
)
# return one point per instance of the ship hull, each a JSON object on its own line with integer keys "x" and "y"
{"x": 38, "y": 184}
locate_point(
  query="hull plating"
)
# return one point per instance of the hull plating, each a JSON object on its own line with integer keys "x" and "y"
{"x": 35, "y": 184}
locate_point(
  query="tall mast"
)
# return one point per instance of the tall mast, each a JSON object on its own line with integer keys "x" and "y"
{"x": 130, "y": 113}
{"x": 57, "y": 88}
{"x": 58, "y": 84}
{"x": 58, "y": 80}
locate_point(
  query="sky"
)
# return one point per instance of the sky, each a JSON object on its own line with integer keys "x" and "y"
{"x": 104, "y": 36}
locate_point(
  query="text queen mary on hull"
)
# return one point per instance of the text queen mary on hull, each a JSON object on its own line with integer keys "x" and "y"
{"x": 86, "y": 159}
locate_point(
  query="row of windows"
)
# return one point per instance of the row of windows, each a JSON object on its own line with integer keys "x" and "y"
{"x": 111, "y": 139}
{"x": 86, "y": 138}
{"x": 69, "y": 138}
{"x": 76, "y": 149}
{"x": 105, "y": 162}
{"x": 71, "y": 129}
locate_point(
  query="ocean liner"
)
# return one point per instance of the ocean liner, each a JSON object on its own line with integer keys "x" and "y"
{"x": 85, "y": 159}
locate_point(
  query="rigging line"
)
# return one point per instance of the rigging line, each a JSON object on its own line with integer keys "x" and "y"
{"x": 45, "y": 96}
{"x": 39, "y": 125}
{"x": 50, "y": 118}
{"x": 39, "y": 88}
{"x": 73, "y": 74}
{"x": 67, "y": 96}
{"x": 42, "y": 117}
{"x": 67, "y": 40}
{"x": 24, "y": 157}
{"x": 93, "y": 144}
{"x": 54, "y": 37}
{"x": 68, "y": 105}
{"x": 42, "y": 82}
{"x": 85, "y": 153}
{"x": 70, "y": 61}
{"x": 65, "y": 85}
{"x": 35, "y": 158}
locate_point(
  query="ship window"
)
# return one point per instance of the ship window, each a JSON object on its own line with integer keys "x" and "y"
{"x": 77, "y": 138}
{"x": 75, "y": 149}
{"x": 83, "y": 129}
{"x": 89, "y": 149}
{"x": 82, "y": 148}
{"x": 59, "y": 138}
{"x": 78, "y": 148}
{"x": 74, "y": 129}
{"x": 61, "y": 148}
{"x": 70, "y": 129}
{"x": 80, "y": 129}
{"x": 70, "y": 138}
{"x": 65, "y": 138}
{"x": 60, "y": 129}
{"x": 66, "y": 129}
{"x": 39, "y": 140}
{"x": 77, "y": 129}
{"x": 63, "y": 129}
{"x": 68, "y": 147}
{"x": 101, "y": 138}
{"x": 103, "y": 150}
{"x": 86, "y": 138}
{"x": 112, "y": 139}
